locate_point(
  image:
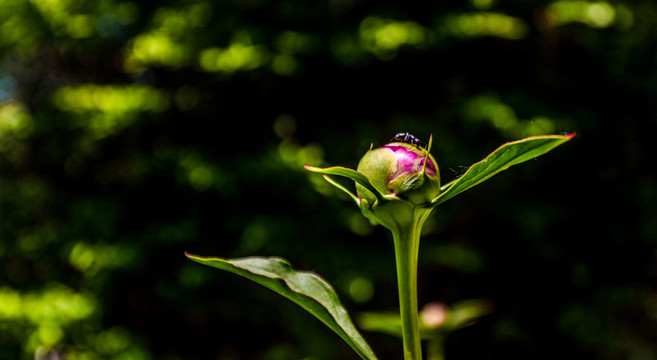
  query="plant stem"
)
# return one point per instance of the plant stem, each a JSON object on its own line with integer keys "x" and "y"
{"x": 435, "y": 349}
{"x": 407, "y": 244}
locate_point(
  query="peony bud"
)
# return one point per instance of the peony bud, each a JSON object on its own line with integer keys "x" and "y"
{"x": 399, "y": 184}
{"x": 402, "y": 168}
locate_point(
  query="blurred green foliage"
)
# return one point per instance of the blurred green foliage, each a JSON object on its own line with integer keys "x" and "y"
{"x": 131, "y": 132}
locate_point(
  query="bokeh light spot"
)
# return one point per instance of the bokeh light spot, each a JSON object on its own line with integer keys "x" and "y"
{"x": 49, "y": 334}
{"x": 597, "y": 14}
{"x": 254, "y": 237}
{"x": 359, "y": 225}
{"x": 14, "y": 120}
{"x": 478, "y": 24}
{"x": 112, "y": 341}
{"x": 284, "y": 65}
{"x": 361, "y": 289}
{"x": 10, "y": 303}
{"x": 80, "y": 26}
{"x": 201, "y": 178}
{"x": 285, "y": 125}
{"x": 502, "y": 117}
{"x": 383, "y": 37}
{"x": 238, "y": 56}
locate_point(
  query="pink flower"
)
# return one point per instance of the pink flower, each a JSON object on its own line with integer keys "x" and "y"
{"x": 410, "y": 161}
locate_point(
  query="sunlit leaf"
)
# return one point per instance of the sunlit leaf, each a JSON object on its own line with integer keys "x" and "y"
{"x": 505, "y": 156}
{"x": 306, "y": 289}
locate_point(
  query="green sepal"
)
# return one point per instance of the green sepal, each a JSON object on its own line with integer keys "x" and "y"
{"x": 505, "y": 156}
{"x": 306, "y": 289}
{"x": 339, "y": 186}
{"x": 353, "y": 175}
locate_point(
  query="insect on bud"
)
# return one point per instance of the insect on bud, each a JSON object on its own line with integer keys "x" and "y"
{"x": 403, "y": 168}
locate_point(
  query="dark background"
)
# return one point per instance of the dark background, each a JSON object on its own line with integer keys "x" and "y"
{"x": 132, "y": 132}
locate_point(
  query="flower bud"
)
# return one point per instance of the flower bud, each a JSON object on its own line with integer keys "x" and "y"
{"x": 399, "y": 169}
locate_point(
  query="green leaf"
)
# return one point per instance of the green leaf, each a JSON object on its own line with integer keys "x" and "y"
{"x": 351, "y": 174}
{"x": 306, "y": 289}
{"x": 505, "y": 156}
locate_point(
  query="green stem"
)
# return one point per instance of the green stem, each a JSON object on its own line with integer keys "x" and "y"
{"x": 435, "y": 348}
{"x": 407, "y": 244}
